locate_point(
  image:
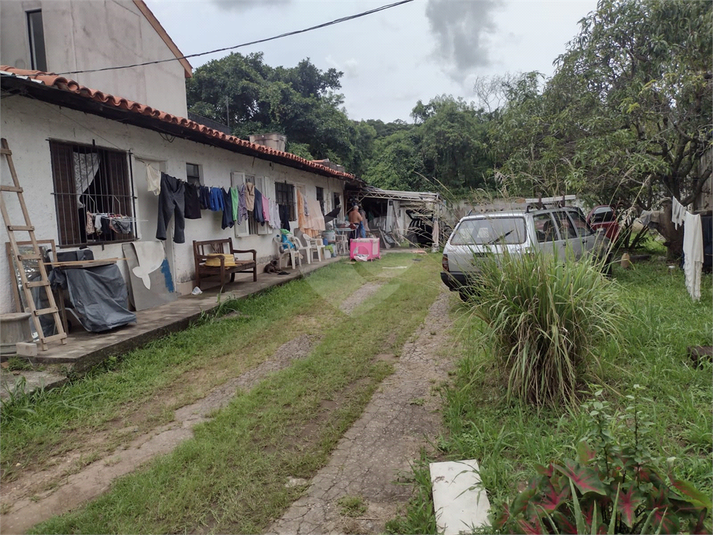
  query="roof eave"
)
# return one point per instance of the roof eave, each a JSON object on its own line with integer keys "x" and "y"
{"x": 37, "y": 90}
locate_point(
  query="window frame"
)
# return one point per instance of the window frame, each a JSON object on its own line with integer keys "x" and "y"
{"x": 196, "y": 179}
{"x": 36, "y": 40}
{"x": 113, "y": 175}
{"x": 287, "y": 197}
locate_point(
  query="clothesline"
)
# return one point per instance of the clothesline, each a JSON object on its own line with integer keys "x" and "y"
{"x": 186, "y": 201}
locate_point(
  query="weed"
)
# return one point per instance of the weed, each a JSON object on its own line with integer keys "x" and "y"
{"x": 417, "y": 401}
{"x": 543, "y": 318}
{"x": 353, "y": 506}
{"x": 18, "y": 364}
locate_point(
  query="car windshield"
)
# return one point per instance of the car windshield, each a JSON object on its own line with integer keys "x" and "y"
{"x": 488, "y": 231}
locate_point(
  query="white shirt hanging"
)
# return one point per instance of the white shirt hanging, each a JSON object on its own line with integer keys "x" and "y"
{"x": 678, "y": 212}
{"x": 693, "y": 254}
{"x": 153, "y": 177}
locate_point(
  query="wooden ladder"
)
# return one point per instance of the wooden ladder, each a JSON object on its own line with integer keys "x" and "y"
{"x": 36, "y": 255}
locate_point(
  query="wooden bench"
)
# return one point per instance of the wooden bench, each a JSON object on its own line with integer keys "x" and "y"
{"x": 201, "y": 250}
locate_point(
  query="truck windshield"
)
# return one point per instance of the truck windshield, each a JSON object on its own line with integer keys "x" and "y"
{"x": 488, "y": 231}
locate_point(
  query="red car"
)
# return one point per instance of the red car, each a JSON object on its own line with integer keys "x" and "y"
{"x": 603, "y": 216}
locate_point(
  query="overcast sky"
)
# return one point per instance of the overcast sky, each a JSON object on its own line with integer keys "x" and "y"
{"x": 390, "y": 59}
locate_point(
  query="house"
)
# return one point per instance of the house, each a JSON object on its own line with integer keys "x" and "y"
{"x": 80, "y": 149}
{"x": 76, "y": 35}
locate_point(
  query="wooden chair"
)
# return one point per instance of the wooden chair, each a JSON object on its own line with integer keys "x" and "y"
{"x": 201, "y": 251}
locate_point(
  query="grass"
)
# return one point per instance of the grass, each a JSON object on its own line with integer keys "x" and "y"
{"x": 509, "y": 437}
{"x": 542, "y": 319}
{"x": 35, "y": 429}
{"x": 353, "y": 506}
{"x": 230, "y": 478}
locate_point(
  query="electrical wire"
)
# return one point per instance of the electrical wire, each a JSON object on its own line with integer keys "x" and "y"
{"x": 282, "y": 35}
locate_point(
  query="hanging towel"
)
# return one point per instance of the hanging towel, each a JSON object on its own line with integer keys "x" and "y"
{"x": 693, "y": 254}
{"x": 274, "y": 214}
{"x": 235, "y": 201}
{"x": 266, "y": 209}
{"x": 153, "y": 177}
{"x": 257, "y": 212}
{"x": 250, "y": 196}
{"x": 242, "y": 206}
{"x": 678, "y": 212}
{"x": 171, "y": 201}
{"x": 301, "y": 219}
{"x": 227, "y": 220}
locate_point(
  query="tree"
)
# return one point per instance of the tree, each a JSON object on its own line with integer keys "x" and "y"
{"x": 626, "y": 118}
{"x": 300, "y": 102}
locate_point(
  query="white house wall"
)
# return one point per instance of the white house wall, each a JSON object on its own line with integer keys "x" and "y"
{"x": 93, "y": 34}
{"x": 28, "y": 125}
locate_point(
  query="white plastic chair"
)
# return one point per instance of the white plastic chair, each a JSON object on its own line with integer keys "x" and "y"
{"x": 284, "y": 251}
{"x": 312, "y": 245}
{"x": 300, "y": 246}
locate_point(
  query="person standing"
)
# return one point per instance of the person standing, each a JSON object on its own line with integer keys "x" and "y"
{"x": 357, "y": 222}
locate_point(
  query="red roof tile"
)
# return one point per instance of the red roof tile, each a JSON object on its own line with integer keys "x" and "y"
{"x": 66, "y": 84}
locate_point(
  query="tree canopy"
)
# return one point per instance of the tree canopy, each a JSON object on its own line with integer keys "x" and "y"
{"x": 300, "y": 102}
{"x": 626, "y": 116}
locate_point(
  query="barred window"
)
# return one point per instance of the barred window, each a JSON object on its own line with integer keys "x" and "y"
{"x": 93, "y": 195}
{"x": 285, "y": 195}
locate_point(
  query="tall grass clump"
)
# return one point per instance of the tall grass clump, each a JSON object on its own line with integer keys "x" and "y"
{"x": 544, "y": 319}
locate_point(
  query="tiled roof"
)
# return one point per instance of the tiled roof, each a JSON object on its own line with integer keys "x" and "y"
{"x": 65, "y": 84}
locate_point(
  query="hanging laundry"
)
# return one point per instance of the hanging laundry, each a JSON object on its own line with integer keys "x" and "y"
{"x": 204, "y": 196}
{"x": 192, "y": 202}
{"x": 693, "y": 254}
{"x": 301, "y": 219}
{"x": 216, "y": 200}
{"x": 90, "y": 224}
{"x": 276, "y": 215}
{"x": 284, "y": 210}
{"x": 227, "y": 221}
{"x": 266, "y": 209}
{"x": 250, "y": 196}
{"x": 105, "y": 225}
{"x": 153, "y": 178}
{"x": 242, "y": 205}
{"x": 171, "y": 201}
{"x": 257, "y": 212}
{"x": 121, "y": 224}
{"x": 235, "y": 201}
{"x": 678, "y": 212}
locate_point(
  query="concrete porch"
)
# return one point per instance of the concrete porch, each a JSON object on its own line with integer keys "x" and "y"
{"x": 84, "y": 350}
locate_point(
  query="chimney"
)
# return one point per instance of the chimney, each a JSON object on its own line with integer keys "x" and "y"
{"x": 273, "y": 140}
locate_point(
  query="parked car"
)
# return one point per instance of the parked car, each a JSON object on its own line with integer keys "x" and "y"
{"x": 551, "y": 230}
{"x": 604, "y": 217}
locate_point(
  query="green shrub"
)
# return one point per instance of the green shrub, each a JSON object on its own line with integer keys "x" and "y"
{"x": 615, "y": 487}
{"x": 544, "y": 318}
